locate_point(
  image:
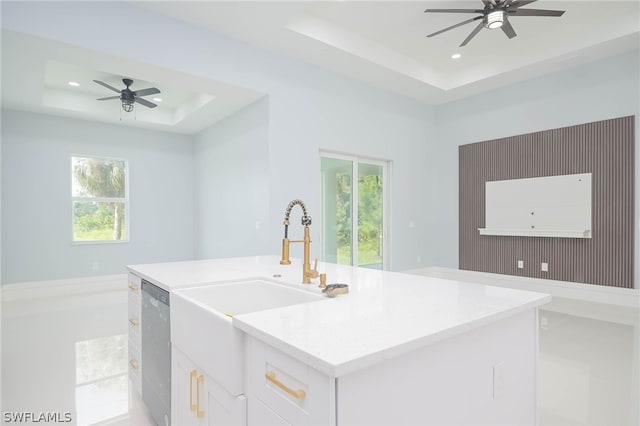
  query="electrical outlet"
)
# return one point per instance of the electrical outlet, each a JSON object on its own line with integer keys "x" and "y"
{"x": 520, "y": 264}
{"x": 419, "y": 259}
{"x": 544, "y": 267}
{"x": 544, "y": 323}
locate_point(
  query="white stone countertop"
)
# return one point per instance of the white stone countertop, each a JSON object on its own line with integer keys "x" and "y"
{"x": 385, "y": 314}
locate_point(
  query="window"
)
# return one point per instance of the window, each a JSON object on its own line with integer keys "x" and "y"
{"x": 354, "y": 211}
{"x": 99, "y": 199}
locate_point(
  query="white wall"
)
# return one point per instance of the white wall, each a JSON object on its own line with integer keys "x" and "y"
{"x": 36, "y": 197}
{"x": 598, "y": 91}
{"x": 1, "y": 316}
{"x": 309, "y": 108}
{"x": 232, "y": 185}
{"x": 336, "y": 114}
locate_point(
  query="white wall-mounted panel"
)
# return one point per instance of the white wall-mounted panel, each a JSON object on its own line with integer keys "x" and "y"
{"x": 550, "y": 206}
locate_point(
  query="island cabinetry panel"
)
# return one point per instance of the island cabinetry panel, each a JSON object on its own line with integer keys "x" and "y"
{"x": 282, "y": 390}
{"x": 196, "y": 399}
{"x": 135, "y": 337}
{"x": 484, "y": 376}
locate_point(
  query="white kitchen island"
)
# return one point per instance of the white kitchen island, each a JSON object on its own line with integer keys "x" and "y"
{"x": 398, "y": 349}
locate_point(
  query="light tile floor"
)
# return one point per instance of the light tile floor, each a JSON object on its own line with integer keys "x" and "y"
{"x": 69, "y": 355}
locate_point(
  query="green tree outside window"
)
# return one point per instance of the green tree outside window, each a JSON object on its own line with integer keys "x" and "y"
{"x": 99, "y": 199}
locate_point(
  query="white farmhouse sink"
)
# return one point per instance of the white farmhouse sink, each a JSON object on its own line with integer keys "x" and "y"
{"x": 248, "y": 296}
{"x": 201, "y": 323}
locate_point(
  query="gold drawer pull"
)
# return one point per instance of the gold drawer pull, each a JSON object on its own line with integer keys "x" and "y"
{"x": 199, "y": 413}
{"x": 298, "y": 394}
{"x": 133, "y": 321}
{"x": 133, "y": 287}
{"x": 192, "y": 375}
{"x": 134, "y": 363}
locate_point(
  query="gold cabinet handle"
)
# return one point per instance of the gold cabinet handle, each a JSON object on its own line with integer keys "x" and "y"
{"x": 133, "y": 321}
{"x": 134, "y": 364}
{"x": 133, "y": 287}
{"x": 298, "y": 394}
{"x": 199, "y": 413}
{"x": 192, "y": 375}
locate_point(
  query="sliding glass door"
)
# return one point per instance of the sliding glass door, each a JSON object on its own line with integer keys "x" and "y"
{"x": 354, "y": 210}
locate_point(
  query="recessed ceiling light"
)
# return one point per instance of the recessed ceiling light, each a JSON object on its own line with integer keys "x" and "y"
{"x": 456, "y": 56}
{"x": 157, "y": 99}
{"x": 74, "y": 83}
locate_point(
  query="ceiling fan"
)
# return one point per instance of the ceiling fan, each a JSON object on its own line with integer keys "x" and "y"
{"x": 495, "y": 14}
{"x": 128, "y": 96}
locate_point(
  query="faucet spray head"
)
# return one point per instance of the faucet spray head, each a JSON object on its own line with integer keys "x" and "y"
{"x": 306, "y": 219}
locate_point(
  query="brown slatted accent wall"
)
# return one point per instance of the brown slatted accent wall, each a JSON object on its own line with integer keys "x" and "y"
{"x": 603, "y": 148}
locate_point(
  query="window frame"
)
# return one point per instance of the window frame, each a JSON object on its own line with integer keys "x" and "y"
{"x": 124, "y": 200}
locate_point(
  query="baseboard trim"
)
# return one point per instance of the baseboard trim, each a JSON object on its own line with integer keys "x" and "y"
{"x": 65, "y": 287}
{"x": 618, "y": 296}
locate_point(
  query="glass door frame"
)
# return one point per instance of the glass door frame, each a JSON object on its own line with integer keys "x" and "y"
{"x": 386, "y": 203}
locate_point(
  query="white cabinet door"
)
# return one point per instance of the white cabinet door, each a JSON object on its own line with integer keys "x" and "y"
{"x": 196, "y": 399}
{"x": 184, "y": 376}
{"x": 219, "y": 407}
{"x": 260, "y": 414}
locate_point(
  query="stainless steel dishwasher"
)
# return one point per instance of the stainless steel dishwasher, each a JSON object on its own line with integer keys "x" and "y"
{"x": 156, "y": 353}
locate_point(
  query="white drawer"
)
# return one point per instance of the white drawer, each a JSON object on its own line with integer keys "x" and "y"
{"x": 294, "y": 391}
{"x": 134, "y": 317}
{"x": 134, "y": 328}
{"x": 134, "y": 354}
{"x": 134, "y": 284}
{"x": 135, "y": 304}
{"x": 135, "y": 346}
{"x": 135, "y": 335}
{"x": 135, "y": 368}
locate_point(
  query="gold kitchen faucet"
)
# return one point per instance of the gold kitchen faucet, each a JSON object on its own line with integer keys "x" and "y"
{"x": 307, "y": 272}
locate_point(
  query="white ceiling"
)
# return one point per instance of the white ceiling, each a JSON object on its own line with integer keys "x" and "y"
{"x": 383, "y": 43}
{"x": 36, "y": 72}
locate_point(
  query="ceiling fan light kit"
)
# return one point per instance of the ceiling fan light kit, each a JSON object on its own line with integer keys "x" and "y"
{"x": 495, "y": 14}
{"x": 494, "y": 19}
{"x": 127, "y": 106}
{"x": 128, "y": 97}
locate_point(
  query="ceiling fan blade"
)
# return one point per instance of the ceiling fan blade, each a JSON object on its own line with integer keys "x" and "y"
{"x": 454, "y": 11}
{"x": 508, "y": 29}
{"x": 106, "y": 85}
{"x": 455, "y": 26}
{"x": 146, "y": 92}
{"x": 106, "y": 99}
{"x": 536, "y": 12}
{"x": 473, "y": 34}
{"x": 514, "y": 4}
{"x": 145, "y": 102}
